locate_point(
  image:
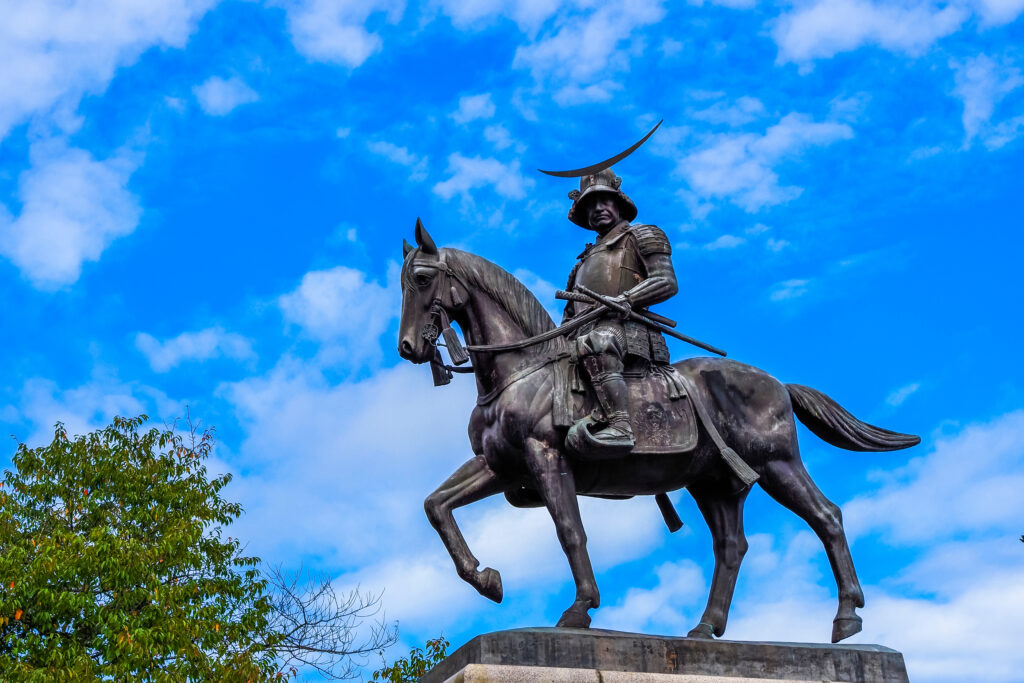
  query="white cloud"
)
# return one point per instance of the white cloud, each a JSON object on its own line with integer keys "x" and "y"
{"x": 981, "y": 83}
{"x": 519, "y": 543}
{"x": 175, "y": 103}
{"x": 954, "y": 609}
{"x": 744, "y": 110}
{"x": 589, "y": 44}
{"x": 416, "y": 590}
{"x": 775, "y": 245}
{"x": 334, "y": 31}
{"x": 473, "y": 107}
{"x": 725, "y": 242}
{"x": 213, "y": 342}
{"x": 1005, "y": 132}
{"x": 54, "y": 51}
{"x": 924, "y": 153}
{"x": 671, "y": 47}
{"x": 998, "y": 12}
{"x": 416, "y": 164}
{"x": 897, "y": 397}
{"x": 73, "y": 207}
{"x": 596, "y": 92}
{"x": 973, "y": 635}
{"x": 218, "y": 96}
{"x": 343, "y": 310}
{"x": 739, "y": 166}
{"x": 668, "y": 606}
{"x": 849, "y": 108}
{"x": 498, "y": 136}
{"x": 969, "y": 482}
{"x": 527, "y": 14}
{"x": 308, "y": 438}
{"x": 542, "y": 289}
{"x": 790, "y": 289}
{"x": 470, "y": 173}
{"x": 966, "y": 633}
{"x": 92, "y": 405}
{"x": 733, "y": 4}
{"x": 823, "y": 28}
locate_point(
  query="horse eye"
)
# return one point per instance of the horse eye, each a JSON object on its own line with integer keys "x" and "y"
{"x": 423, "y": 279}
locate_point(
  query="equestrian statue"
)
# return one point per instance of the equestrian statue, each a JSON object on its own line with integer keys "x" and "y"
{"x": 594, "y": 407}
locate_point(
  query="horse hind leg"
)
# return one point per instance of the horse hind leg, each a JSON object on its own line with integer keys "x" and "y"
{"x": 473, "y": 481}
{"x": 788, "y": 482}
{"x": 723, "y": 511}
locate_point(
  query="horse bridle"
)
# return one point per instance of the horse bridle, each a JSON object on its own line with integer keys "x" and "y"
{"x": 439, "y": 323}
{"x": 439, "y": 314}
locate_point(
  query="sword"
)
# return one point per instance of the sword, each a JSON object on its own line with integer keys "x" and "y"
{"x": 642, "y": 318}
{"x": 583, "y": 298}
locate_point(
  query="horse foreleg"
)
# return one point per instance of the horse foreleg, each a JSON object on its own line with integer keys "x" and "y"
{"x": 555, "y": 484}
{"x": 470, "y": 483}
{"x": 723, "y": 512}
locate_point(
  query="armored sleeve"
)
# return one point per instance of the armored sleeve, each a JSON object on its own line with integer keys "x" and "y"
{"x": 656, "y": 253}
{"x": 650, "y": 239}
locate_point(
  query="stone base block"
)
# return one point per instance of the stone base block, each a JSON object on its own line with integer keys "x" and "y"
{"x": 559, "y": 655}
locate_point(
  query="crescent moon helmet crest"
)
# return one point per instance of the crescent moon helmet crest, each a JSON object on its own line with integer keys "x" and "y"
{"x": 607, "y": 163}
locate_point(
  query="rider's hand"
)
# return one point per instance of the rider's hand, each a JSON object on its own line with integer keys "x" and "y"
{"x": 623, "y": 301}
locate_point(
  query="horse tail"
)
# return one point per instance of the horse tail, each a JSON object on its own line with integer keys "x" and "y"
{"x": 832, "y": 423}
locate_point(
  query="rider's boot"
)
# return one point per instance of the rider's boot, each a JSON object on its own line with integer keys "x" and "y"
{"x": 616, "y": 437}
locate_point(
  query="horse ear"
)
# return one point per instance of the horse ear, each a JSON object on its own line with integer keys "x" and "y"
{"x": 406, "y": 248}
{"x": 423, "y": 239}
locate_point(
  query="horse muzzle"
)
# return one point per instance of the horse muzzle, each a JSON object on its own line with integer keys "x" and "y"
{"x": 407, "y": 350}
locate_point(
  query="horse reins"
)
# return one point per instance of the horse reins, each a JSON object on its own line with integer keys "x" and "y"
{"x": 439, "y": 322}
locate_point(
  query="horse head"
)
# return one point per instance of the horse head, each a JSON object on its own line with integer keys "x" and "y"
{"x": 431, "y": 295}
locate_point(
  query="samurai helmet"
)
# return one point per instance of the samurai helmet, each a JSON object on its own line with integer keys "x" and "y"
{"x": 604, "y": 181}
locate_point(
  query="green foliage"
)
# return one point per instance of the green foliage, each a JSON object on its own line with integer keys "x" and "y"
{"x": 114, "y": 566}
{"x": 410, "y": 669}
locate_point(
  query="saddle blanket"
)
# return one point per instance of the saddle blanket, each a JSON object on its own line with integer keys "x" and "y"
{"x": 660, "y": 412}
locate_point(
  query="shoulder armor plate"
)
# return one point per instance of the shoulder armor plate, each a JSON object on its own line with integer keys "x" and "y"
{"x": 651, "y": 240}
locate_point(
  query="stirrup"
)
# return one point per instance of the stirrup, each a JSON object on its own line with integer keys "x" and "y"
{"x": 586, "y": 444}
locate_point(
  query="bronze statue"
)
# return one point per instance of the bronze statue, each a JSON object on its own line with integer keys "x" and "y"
{"x": 541, "y": 437}
{"x": 632, "y": 265}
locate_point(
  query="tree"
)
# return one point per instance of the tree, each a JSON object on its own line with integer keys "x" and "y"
{"x": 115, "y": 566}
{"x": 410, "y": 669}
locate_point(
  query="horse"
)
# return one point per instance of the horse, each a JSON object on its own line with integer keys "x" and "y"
{"x": 518, "y": 447}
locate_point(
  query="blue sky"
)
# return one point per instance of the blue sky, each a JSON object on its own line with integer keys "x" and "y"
{"x": 202, "y": 204}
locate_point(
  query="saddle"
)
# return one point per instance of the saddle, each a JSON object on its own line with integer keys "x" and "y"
{"x": 661, "y": 413}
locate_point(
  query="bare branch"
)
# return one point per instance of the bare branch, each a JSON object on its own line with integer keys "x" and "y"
{"x": 320, "y": 628}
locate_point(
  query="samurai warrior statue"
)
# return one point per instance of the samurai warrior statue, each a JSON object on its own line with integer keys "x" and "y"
{"x": 632, "y": 264}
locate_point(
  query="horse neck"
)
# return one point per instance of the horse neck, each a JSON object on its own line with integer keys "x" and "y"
{"x": 485, "y": 321}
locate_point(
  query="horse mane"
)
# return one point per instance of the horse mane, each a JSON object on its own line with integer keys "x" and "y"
{"x": 503, "y": 287}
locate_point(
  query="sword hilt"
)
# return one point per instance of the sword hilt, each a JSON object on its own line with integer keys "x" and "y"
{"x": 584, "y": 299}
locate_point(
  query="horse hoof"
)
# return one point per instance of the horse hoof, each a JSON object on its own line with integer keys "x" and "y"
{"x": 574, "y": 619}
{"x": 701, "y": 631}
{"x": 845, "y": 627}
{"x": 490, "y": 584}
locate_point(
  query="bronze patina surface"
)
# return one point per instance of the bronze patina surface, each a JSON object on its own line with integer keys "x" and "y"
{"x": 532, "y": 442}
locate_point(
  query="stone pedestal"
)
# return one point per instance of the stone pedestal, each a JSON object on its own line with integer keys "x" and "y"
{"x": 558, "y": 655}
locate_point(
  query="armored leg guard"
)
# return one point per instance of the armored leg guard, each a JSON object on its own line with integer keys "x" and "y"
{"x": 616, "y": 437}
